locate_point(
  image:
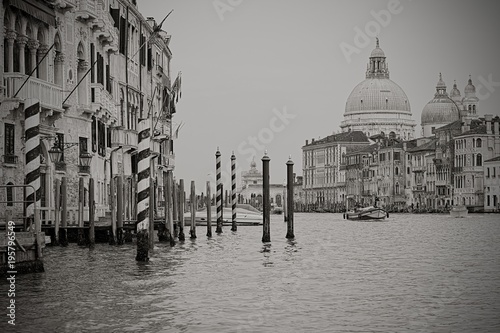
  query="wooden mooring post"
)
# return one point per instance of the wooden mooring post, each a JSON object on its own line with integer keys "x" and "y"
{"x": 57, "y": 213}
{"x": 143, "y": 190}
{"x": 63, "y": 232}
{"x": 91, "y": 213}
{"x": 233, "y": 192}
{"x": 175, "y": 208}
{"x": 170, "y": 219}
{"x": 289, "y": 203}
{"x": 285, "y": 203}
{"x": 182, "y": 201}
{"x": 81, "y": 227}
{"x": 192, "y": 202}
{"x": 266, "y": 204}
{"x": 218, "y": 191}
{"x": 209, "y": 211}
{"x": 151, "y": 226}
{"x": 119, "y": 210}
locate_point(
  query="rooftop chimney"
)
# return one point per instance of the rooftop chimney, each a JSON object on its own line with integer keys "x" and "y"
{"x": 487, "y": 119}
{"x": 307, "y": 142}
{"x": 312, "y": 140}
{"x": 495, "y": 125}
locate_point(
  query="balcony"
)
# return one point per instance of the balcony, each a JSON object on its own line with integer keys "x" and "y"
{"x": 49, "y": 95}
{"x": 419, "y": 188}
{"x": 86, "y": 10}
{"x": 124, "y": 137}
{"x": 102, "y": 100}
{"x": 417, "y": 168}
{"x": 442, "y": 183}
{"x": 169, "y": 161}
{"x": 10, "y": 159}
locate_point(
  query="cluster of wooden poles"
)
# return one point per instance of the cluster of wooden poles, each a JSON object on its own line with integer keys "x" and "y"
{"x": 175, "y": 207}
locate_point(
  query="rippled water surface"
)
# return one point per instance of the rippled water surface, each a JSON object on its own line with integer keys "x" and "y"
{"x": 411, "y": 273}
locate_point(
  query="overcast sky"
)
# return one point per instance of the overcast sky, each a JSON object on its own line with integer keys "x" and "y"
{"x": 269, "y": 74}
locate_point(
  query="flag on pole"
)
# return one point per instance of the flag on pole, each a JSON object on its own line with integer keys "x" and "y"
{"x": 176, "y": 88}
{"x": 176, "y": 134}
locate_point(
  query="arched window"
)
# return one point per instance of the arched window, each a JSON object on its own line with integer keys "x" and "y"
{"x": 479, "y": 160}
{"x": 478, "y": 143}
{"x": 396, "y": 171}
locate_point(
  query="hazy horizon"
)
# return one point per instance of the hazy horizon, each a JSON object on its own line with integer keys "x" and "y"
{"x": 268, "y": 75}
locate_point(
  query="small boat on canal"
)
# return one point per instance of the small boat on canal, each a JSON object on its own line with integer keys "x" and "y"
{"x": 367, "y": 213}
{"x": 459, "y": 211}
{"x": 243, "y": 217}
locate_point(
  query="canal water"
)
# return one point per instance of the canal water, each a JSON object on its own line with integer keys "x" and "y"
{"x": 411, "y": 273}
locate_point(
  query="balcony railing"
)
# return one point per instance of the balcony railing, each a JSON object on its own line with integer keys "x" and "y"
{"x": 442, "y": 182}
{"x": 124, "y": 137}
{"x": 10, "y": 159}
{"x": 49, "y": 95}
{"x": 101, "y": 98}
{"x": 86, "y": 10}
{"x": 419, "y": 188}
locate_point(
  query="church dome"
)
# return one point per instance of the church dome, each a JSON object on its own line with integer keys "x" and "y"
{"x": 375, "y": 94}
{"x": 253, "y": 165}
{"x": 455, "y": 93}
{"x": 470, "y": 89}
{"x": 377, "y": 53}
{"x": 441, "y": 109}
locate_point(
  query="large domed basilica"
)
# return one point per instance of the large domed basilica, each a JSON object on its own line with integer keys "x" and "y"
{"x": 378, "y": 104}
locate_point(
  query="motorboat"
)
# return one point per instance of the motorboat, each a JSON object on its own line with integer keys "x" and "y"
{"x": 244, "y": 216}
{"x": 367, "y": 213}
{"x": 459, "y": 211}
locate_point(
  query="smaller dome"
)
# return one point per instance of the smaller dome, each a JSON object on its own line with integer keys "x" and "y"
{"x": 470, "y": 90}
{"x": 440, "y": 110}
{"x": 455, "y": 93}
{"x": 253, "y": 164}
{"x": 377, "y": 52}
{"x": 441, "y": 83}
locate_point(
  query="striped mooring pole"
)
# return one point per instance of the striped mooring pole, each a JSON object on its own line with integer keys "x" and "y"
{"x": 32, "y": 176}
{"x": 289, "y": 202}
{"x": 266, "y": 203}
{"x": 219, "y": 191}
{"x": 233, "y": 192}
{"x": 143, "y": 183}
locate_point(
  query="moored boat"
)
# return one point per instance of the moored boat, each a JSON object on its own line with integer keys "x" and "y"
{"x": 367, "y": 213}
{"x": 243, "y": 217}
{"x": 459, "y": 211}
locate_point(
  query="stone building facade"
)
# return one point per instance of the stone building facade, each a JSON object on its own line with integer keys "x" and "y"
{"x": 97, "y": 68}
{"x": 492, "y": 185}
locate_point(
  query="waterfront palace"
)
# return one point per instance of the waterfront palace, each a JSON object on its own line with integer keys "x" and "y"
{"x": 102, "y": 69}
{"x": 455, "y": 162}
